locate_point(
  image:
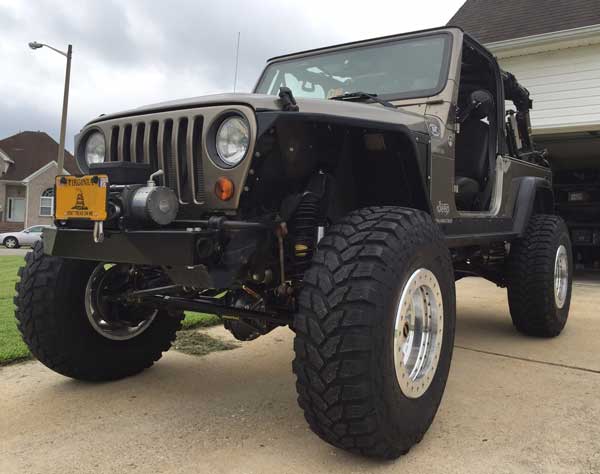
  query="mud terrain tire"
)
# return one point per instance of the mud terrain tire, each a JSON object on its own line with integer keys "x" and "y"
{"x": 52, "y": 319}
{"x": 531, "y": 277}
{"x": 346, "y": 378}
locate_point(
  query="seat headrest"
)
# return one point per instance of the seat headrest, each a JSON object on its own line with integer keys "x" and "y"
{"x": 482, "y": 102}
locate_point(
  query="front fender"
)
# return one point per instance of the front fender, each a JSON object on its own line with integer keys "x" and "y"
{"x": 372, "y": 162}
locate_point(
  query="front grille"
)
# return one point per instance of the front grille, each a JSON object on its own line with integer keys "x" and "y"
{"x": 173, "y": 145}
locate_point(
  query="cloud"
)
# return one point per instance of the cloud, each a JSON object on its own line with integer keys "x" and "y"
{"x": 128, "y": 54}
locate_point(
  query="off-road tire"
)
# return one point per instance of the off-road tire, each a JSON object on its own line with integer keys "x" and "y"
{"x": 531, "y": 277}
{"x": 346, "y": 380}
{"x": 52, "y": 320}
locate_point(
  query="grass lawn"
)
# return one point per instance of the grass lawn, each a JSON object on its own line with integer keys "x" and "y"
{"x": 12, "y": 347}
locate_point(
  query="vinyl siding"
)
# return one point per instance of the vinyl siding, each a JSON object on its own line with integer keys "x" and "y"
{"x": 564, "y": 85}
{"x": 36, "y": 187}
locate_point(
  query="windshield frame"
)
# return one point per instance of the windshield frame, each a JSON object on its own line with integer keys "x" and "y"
{"x": 444, "y": 70}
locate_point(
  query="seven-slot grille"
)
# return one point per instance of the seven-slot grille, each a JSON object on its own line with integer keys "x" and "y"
{"x": 172, "y": 145}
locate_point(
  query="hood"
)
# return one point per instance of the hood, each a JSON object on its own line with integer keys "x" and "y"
{"x": 263, "y": 102}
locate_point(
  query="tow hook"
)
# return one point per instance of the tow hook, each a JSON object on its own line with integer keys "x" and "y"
{"x": 98, "y": 232}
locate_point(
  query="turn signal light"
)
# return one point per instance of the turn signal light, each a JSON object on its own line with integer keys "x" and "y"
{"x": 224, "y": 188}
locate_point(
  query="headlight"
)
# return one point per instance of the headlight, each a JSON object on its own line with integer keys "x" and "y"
{"x": 232, "y": 140}
{"x": 95, "y": 148}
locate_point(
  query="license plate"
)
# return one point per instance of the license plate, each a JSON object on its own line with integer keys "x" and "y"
{"x": 82, "y": 197}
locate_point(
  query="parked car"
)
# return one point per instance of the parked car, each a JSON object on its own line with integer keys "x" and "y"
{"x": 343, "y": 198}
{"x": 28, "y": 237}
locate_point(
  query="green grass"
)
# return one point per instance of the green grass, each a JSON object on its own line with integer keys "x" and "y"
{"x": 199, "y": 320}
{"x": 12, "y": 347}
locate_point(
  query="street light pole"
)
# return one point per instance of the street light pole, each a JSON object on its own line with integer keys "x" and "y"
{"x": 63, "y": 121}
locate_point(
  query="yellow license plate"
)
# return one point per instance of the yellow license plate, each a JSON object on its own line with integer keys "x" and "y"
{"x": 82, "y": 197}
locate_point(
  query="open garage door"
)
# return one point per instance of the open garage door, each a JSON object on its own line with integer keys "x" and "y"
{"x": 575, "y": 160}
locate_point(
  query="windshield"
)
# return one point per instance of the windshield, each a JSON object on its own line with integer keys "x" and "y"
{"x": 407, "y": 68}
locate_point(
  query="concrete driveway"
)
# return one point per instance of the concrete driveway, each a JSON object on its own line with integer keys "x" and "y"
{"x": 4, "y": 252}
{"x": 512, "y": 405}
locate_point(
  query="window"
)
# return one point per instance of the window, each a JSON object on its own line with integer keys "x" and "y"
{"x": 47, "y": 202}
{"x": 405, "y": 68}
{"x": 36, "y": 229}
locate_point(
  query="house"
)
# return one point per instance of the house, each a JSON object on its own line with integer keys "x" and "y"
{"x": 553, "y": 48}
{"x": 27, "y": 170}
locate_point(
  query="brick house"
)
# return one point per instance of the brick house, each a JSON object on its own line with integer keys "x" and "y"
{"x": 27, "y": 170}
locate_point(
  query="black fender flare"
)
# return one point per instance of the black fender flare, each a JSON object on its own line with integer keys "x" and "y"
{"x": 534, "y": 195}
{"x": 399, "y": 138}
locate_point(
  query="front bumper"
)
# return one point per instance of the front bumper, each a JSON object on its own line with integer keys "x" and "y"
{"x": 223, "y": 248}
{"x": 143, "y": 247}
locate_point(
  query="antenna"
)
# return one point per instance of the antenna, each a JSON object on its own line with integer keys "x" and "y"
{"x": 237, "y": 56}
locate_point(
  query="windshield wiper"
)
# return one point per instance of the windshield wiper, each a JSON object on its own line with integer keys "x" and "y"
{"x": 362, "y": 96}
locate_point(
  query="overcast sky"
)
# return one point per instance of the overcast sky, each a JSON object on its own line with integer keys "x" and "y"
{"x": 136, "y": 52}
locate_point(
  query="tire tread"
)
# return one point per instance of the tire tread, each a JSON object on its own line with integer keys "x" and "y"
{"x": 530, "y": 278}
{"x": 335, "y": 328}
{"x": 42, "y": 314}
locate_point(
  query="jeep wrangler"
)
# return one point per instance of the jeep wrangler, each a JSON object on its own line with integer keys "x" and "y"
{"x": 342, "y": 198}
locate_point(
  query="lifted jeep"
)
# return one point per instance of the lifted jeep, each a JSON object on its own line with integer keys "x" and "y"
{"x": 342, "y": 198}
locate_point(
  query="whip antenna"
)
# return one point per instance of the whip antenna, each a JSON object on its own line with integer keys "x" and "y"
{"x": 237, "y": 56}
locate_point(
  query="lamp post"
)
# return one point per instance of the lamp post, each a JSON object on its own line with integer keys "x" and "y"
{"x": 63, "y": 122}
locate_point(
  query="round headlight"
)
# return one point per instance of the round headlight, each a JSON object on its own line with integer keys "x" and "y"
{"x": 95, "y": 148}
{"x": 232, "y": 140}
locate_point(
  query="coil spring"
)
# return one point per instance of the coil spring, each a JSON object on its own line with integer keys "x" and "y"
{"x": 305, "y": 222}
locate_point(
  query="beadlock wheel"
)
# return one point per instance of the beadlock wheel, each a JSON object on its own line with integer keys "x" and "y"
{"x": 51, "y": 316}
{"x": 561, "y": 276}
{"x": 375, "y": 331}
{"x": 98, "y": 310}
{"x": 540, "y": 274}
{"x": 418, "y": 333}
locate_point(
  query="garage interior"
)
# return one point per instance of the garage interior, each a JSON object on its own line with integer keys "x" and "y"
{"x": 575, "y": 161}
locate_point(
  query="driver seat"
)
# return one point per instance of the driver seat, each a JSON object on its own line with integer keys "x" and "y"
{"x": 471, "y": 161}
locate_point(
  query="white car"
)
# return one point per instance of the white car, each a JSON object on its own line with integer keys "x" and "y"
{"x": 29, "y": 237}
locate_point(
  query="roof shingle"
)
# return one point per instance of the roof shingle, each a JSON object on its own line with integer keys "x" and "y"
{"x": 30, "y": 151}
{"x": 492, "y": 20}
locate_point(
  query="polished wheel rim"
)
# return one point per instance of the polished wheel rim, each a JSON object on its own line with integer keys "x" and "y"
{"x": 418, "y": 333}
{"x": 10, "y": 243}
{"x": 104, "y": 312}
{"x": 561, "y": 276}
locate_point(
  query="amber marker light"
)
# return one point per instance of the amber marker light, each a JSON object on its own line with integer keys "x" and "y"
{"x": 224, "y": 188}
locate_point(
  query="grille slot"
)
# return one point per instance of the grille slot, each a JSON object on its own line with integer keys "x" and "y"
{"x": 152, "y": 155}
{"x": 185, "y": 185}
{"x": 195, "y": 144}
{"x": 126, "y": 146}
{"x": 137, "y": 147}
{"x": 173, "y": 145}
{"x": 114, "y": 144}
{"x": 168, "y": 155}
